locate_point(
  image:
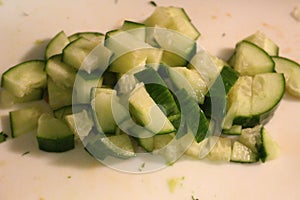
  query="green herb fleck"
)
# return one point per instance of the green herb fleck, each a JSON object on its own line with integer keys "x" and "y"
{"x": 69, "y": 177}
{"x": 173, "y": 183}
{"x": 25, "y": 153}
{"x": 1, "y": 3}
{"x": 193, "y": 198}
{"x": 153, "y": 3}
{"x": 142, "y": 167}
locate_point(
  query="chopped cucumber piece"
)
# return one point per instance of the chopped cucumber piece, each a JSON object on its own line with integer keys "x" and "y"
{"x": 242, "y": 154}
{"x": 83, "y": 85}
{"x": 21, "y": 79}
{"x": 234, "y": 130}
{"x": 101, "y": 101}
{"x": 291, "y": 72}
{"x": 260, "y": 39}
{"x": 7, "y": 99}
{"x": 147, "y": 113}
{"x": 178, "y": 49}
{"x": 251, "y": 137}
{"x": 86, "y": 55}
{"x": 93, "y": 36}
{"x": 173, "y": 18}
{"x": 60, "y": 72}
{"x": 221, "y": 151}
{"x": 135, "y": 28}
{"x": 159, "y": 92}
{"x": 119, "y": 146}
{"x": 269, "y": 148}
{"x": 146, "y": 143}
{"x": 58, "y": 96}
{"x": 246, "y": 65}
{"x": 57, "y": 44}
{"x": 53, "y": 135}
{"x": 253, "y": 100}
{"x": 25, "y": 120}
{"x": 161, "y": 141}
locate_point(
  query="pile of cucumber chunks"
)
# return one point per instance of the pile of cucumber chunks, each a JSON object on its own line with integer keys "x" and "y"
{"x": 243, "y": 139}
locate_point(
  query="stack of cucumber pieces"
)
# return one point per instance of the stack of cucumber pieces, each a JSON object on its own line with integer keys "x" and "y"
{"x": 142, "y": 86}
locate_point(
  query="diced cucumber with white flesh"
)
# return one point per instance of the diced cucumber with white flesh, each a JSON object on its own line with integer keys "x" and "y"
{"x": 80, "y": 123}
{"x": 253, "y": 100}
{"x": 260, "y": 39}
{"x": 190, "y": 80}
{"x": 146, "y": 143}
{"x": 250, "y": 59}
{"x": 86, "y": 55}
{"x": 84, "y": 82}
{"x": 172, "y": 18}
{"x": 101, "y": 101}
{"x": 161, "y": 141}
{"x": 53, "y": 135}
{"x": 251, "y": 137}
{"x": 160, "y": 93}
{"x": 70, "y": 109}
{"x": 243, "y": 154}
{"x": 233, "y": 130}
{"x": 119, "y": 146}
{"x": 21, "y": 79}
{"x": 129, "y": 52}
{"x": 147, "y": 113}
{"x": 291, "y": 72}
{"x": 7, "y": 99}
{"x": 60, "y": 72}
{"x": 206, "y": 66}
{"x": 221, "y": 150}
{"x": 269, "y": 148}
{"x": 56, "y": 44}
{"x": 197, "y": 150}
{"x": 135, "y": 28}
{"x": 178, "y": 49}
{"x": 58, "y": 96}
{"x": 93, "y": 36}
{"x": 25, "y": 120}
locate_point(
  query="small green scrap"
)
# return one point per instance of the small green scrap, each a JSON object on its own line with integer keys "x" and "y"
{"x": 173, "y": 183}
{"x": 153, "y": 3}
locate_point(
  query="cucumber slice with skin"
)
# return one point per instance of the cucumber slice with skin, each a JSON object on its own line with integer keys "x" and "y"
{"x": 86, "y": 55}
{"x": 269, "y": 148}
{"x": 119, "y": 146}
{"x": 56, "y": 44}
{"x": 7, "y": 99}
{"x": 159, "y": 92}
{"x": 130, "y": 52}
{"x": 221, "y": 151}
{"x": 260, "y": 39}
{"x": 251, "y": 137}
{"x": 178, "y": 49}
{"x": 60, "y": 72}
{"x": 101, "y": 101}
{"x": 173, "y": 18}
{"x": 53, "y": 135}
{"x": 83, "y": 84}
{"x": 21, "y": 79}
{"x": 58, "y": 96}
{"x": 246, "y": 65}
{"x": 234, "y": 130}
{"x": 291, "y": 72}
{"x": 147, "y": 113}
{"x": 253, "y": 100}
{"x": 93, "y": 36}
{"x": 3, "y": 137}
{"x": 135, "y": 28}
{"x": 25, "y": 120}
